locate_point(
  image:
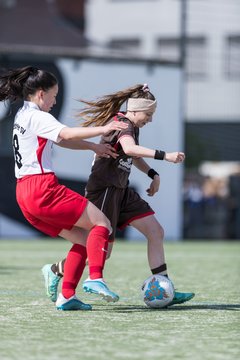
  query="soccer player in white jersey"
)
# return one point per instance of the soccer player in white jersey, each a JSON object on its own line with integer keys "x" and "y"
{"x": 49, "y": 206}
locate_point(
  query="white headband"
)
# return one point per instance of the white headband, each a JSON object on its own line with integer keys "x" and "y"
{"x": 141, "y": 104}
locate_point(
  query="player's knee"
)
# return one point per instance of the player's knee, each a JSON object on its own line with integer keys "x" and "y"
{"x": 105, "y": 223}
{"x": 108, "y": 225}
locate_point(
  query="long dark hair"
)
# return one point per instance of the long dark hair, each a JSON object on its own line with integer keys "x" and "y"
{"x": 20, "y": 83}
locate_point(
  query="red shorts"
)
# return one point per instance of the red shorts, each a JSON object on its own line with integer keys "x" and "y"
{"x": 47, "y": 205}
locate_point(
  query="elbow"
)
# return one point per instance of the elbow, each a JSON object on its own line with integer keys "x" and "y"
{"x": 128, "y": 151}
{"x": 66, "y": 134}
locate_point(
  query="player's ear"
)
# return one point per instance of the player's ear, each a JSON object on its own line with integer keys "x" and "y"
{"x": 40, "y": 93}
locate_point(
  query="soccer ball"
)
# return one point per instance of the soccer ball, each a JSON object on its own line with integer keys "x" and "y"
{"x": 157, "y": 291}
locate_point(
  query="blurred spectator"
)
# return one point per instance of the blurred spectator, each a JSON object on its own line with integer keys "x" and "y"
{"x": 193, "y": 209}
{"x": 215, "y": 209}
{"x": 206, "y": 207}
{"x": 234, "y": 206}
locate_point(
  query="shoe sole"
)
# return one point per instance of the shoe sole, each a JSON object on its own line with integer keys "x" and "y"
{"x": 106, "y": 297}
{"x": 71, "y": 309}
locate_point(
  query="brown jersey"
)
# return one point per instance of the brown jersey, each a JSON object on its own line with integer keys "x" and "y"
{"x": 113, "y": 172}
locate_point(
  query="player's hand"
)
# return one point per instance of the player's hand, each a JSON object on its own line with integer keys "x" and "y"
{"x": 154, "y": 186}
{"x": 175, "y": 157}
{"x": 105, "y": 151}
{"x": 114, "y": 125}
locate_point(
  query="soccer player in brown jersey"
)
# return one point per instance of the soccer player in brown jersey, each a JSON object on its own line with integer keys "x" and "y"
{"x": 108, "y": 184}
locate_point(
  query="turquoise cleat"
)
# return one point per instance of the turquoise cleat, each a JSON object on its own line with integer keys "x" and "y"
{"x": 180, "y": 298}
{"x": 51, "y": 282}
{"x": 73, "y": 303}
{"x": 99, "y": 287}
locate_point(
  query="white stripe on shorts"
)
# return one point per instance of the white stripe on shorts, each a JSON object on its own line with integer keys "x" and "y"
{"x": 105, "y": 195}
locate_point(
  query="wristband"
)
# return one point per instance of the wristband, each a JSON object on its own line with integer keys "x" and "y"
{"x": 152, "y": 173}
{"x": 159, "y": 155}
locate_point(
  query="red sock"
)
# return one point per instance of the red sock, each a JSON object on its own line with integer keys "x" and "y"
{"x": 73, "y": 269}
{"x": 97, "y": 245}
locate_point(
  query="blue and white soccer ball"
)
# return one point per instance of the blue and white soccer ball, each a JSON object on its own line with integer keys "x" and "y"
{"x": 157, "y": 291}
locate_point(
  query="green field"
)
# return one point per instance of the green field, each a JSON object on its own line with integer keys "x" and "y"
{"x": 205, "y": 328}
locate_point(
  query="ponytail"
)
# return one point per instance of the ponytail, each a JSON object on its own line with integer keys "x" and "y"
{"x": 99, "y": 112}
{"x": 20, "y": 83}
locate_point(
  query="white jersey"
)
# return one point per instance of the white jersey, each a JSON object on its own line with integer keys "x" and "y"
{"x": 34, "y": 132}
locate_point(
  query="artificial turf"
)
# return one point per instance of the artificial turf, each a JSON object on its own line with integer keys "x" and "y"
{"x": 205, "y": 328}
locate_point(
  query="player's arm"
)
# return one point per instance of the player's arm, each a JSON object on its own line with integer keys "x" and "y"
{"x": 102, "y": 150}
{"x": 141, "y": 165}
{"x": 132, "y": 149}
{"x": 79, "y": 133}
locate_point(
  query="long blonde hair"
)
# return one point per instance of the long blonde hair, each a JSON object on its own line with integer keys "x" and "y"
{"x": 100, "y": 111}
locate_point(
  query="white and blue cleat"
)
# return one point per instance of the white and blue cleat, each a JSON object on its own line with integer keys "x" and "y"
{"x": 99, "y": 287}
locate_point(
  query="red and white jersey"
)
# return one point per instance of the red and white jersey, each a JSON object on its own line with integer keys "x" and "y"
{"x": 34, "y": 132}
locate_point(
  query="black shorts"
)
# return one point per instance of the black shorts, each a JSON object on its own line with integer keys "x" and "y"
{"x": 121, "y": 206}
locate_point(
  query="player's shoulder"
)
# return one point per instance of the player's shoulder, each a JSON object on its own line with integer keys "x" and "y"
{"x": 42, "y": 116}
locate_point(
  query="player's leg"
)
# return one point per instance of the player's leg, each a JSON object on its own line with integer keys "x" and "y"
{"x": 153, "y": 231}
{"x": 97, "y": 240}
{"x": 98, "y": 250}
{"x": 55, "y": 209}
{"x": 53, "y": 273}
{"x": 98, "y": 227}
{"x": 97, "y": 247}
{"x": 74, "y": 266}
{"x": 110, "y": 247}
{"x": 136, "y": 212}
{"x": 93, "y": 220}
{"x": 107, "y": 200}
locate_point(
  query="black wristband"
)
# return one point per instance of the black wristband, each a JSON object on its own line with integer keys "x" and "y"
{"x": 159, "y": 155}
{"x": 152, "y": 173}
